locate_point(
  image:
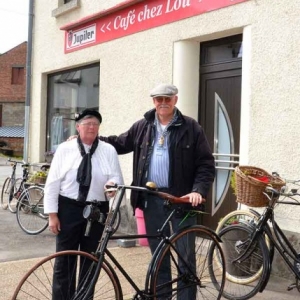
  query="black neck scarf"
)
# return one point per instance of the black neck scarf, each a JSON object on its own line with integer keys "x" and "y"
{"x": 84, "y": 173}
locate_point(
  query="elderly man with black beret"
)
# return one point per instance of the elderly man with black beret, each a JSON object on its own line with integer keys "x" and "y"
{"x": 79, "y": 171}
{"x": 171, "y": 150}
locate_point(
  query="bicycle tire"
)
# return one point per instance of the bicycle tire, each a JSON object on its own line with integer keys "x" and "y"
{"x": 237, "y": 217}
{"x": 38, "y": 281}
{"x": 235, "y": 240}
{"x": 5, "y": 193}
{"x": 13, "y": 203}
{"x": 192, "y": 279}
{"x": 116, "y": 223}
{"x": 244, "y": 217}
{"x": 30, "y": 212}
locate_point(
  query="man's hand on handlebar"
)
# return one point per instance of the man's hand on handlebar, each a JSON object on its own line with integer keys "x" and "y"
{"x": 195, "y": 198}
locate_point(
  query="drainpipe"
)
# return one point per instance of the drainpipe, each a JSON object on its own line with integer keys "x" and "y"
{"x": 28, "y": 82}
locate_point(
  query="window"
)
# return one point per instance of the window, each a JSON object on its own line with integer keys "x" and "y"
{"x": 69, "y": 92}
{"x": 226, "y": 49}
{"x": 64, "y": 7}
{"x": 17, "y": 75}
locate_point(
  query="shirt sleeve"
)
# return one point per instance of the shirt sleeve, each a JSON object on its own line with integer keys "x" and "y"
{"x": 52, "y": 186}
{"x": 115, "y": 175}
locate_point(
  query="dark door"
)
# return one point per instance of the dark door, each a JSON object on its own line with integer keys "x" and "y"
{"x": 220, "y": 106}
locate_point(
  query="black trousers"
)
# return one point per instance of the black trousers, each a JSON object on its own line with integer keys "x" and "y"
{"x": 71, "y": 237}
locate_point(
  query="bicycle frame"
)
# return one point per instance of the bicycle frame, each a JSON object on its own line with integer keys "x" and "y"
{"x": 13, "y": 181}
{"x": 24, "y": 179}
{"x": 107, "y": 235}
{"x": 278, "y": 238}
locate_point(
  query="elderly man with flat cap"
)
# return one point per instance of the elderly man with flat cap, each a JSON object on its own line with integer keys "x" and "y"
{"x": 171, "y": 150}
{"x": 79, "y": 171}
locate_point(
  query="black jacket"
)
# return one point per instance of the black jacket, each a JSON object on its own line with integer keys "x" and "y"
{"x": 192, "y": 165}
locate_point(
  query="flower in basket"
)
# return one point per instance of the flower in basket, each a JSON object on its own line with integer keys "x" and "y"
{"x": 232, "y": 221}
{"x": 264, "y": 179}
{"x": 233, "y": 182}
{"x": 38, "y": 177}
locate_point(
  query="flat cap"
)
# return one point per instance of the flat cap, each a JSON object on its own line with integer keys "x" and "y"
{"x": 88, "y": 112}
{"x": 165, "y": 90}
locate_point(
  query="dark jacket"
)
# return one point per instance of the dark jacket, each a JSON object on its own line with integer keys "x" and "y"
{"x": 192, "y": 165}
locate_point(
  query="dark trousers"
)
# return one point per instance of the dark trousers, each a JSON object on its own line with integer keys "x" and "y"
{"x": 155, "y": 215}
{"x": 71, "y": 237}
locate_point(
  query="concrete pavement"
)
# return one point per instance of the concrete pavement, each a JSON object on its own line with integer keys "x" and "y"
{"x": 19, "y": 252}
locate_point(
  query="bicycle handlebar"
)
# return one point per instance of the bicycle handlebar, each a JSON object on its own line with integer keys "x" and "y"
{"x": 172, "y": 198}
{"x": 26, "y": 165}
{"x": 297, "y": 181}
{"x": 163, "y": 195}
{"x": 277, "y": 193}
{"x": 14, "y": 161}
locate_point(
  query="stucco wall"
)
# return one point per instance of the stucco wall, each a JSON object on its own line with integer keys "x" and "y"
{"x": 132, "y": 65}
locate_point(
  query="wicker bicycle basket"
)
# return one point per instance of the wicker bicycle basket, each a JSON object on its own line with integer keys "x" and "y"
{"x": 40, "y": 180}
{"x": 250, "y": 186}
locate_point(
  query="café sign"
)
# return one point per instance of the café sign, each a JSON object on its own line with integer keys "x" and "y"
{"x": 134, "y": 16}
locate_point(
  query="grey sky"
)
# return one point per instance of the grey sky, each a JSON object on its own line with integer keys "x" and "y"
{"x": 13, "y": 23}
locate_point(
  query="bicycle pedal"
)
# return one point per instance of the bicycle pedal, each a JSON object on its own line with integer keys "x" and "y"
{"x": 292, "y": 286}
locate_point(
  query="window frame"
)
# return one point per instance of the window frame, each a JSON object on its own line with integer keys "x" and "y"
{"x": 66, "y": 91}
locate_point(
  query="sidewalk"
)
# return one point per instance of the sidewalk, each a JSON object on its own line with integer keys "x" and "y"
{"x": 135, "y": 261}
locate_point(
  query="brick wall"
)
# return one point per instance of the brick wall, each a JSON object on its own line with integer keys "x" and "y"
{"x": 12, "y": 96}
{"x": 14, "y": 57}
{"x": 13, "y": 114}
{"x": 15, "y": 144}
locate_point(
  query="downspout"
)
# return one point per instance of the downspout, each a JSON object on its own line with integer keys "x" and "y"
{"x": 28, "y": 82}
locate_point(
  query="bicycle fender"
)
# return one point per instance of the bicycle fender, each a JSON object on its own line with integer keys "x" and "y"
{"x": 265, "y": 282}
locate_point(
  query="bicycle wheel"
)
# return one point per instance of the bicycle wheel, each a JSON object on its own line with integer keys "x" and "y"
{"x": 237, "y": 217}
{"x": 41, "y": 282}
{"x": 249, "y": 218}
{"x": 13, "y": 203}
{"x": 248, "y": 274}
{"x": 189, "y": 271}
{"x": 5, "y": 193}
{"x": 30, "y": 213}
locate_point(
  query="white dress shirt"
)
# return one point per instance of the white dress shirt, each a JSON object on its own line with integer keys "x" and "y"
{"x": 62, "y": 175}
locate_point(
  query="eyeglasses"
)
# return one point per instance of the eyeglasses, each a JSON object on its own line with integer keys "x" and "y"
{"x": 89, "y": 124}
{"x": 161, "y": 99}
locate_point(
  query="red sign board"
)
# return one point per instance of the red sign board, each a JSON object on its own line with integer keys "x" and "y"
{"x": 134, "y": 18}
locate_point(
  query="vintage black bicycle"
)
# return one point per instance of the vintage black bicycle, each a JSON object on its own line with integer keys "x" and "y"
{"x": 249, "y": 249}
{"x": 96, "y": 275}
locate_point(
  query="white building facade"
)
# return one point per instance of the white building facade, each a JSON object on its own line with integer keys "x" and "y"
{"x": 236, "y": 65}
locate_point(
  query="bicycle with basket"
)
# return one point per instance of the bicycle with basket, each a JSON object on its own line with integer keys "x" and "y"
{"x": 249, "y": 246}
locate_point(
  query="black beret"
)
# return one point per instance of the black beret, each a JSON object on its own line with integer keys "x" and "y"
{"x": 88, "y": 112}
